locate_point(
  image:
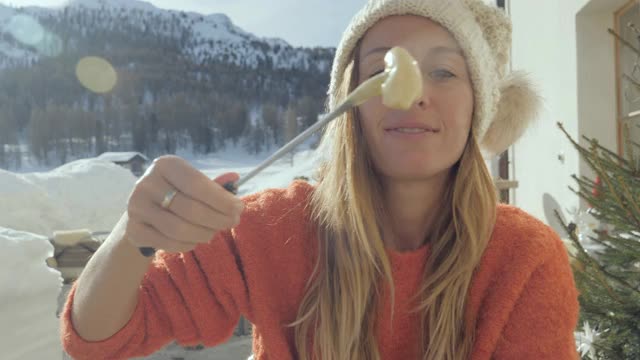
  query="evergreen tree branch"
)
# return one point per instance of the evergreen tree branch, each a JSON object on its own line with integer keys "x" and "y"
{"x": 600, "y": 270}
{"x": 591, "y": 261}
{"x": 621, "y": 161}
{"x": 604, "y": 176}
{"x": 631, "y": 200}
{"x": 632, "y": 81}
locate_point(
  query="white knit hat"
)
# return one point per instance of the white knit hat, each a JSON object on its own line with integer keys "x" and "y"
{"x": 505, "y": 104}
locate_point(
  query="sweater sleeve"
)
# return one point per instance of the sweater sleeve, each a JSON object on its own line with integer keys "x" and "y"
{"x": 194, "y": 297}
{"x": 542, "y": 322}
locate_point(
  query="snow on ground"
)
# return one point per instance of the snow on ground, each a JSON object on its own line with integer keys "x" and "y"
{"x": 86, "y": 193}
{"x": 92, "y": 192}
{"x": 28, "y": 292}
{"x": 278, "y": 175}
{"x": 27, "y": 206}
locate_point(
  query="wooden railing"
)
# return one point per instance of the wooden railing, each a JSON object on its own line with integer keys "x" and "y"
{"x": 503, "y": 186}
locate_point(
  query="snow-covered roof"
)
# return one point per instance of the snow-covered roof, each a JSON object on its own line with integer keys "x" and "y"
{"x": 120, "y": 157}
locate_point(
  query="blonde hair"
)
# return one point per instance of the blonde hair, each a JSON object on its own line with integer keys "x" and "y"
{"x": 336, "y": 317}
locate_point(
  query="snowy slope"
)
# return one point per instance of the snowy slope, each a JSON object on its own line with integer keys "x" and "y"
{"x": 278, "y": 175}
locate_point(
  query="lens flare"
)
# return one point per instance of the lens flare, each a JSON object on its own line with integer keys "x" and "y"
{"x": 26, "y": 29}
{"x": 96, "y": 74}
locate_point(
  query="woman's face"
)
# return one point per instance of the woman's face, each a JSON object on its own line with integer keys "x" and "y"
{"x": 429, "y": 138}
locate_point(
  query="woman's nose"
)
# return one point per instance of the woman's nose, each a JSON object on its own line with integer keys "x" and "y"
{"x": 423, "y": 101}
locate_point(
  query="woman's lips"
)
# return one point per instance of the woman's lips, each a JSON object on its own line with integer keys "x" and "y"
{"x": 411, "y": 126}
{"x": 405, "y": 134}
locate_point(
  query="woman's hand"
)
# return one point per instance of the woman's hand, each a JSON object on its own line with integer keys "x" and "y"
{"x": 195, "y": 207}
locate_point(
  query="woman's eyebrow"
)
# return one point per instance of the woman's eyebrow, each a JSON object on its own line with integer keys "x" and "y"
{"x": 436, "y": 50}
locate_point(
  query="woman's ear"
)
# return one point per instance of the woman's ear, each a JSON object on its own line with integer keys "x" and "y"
{"x": 517, "y": 109}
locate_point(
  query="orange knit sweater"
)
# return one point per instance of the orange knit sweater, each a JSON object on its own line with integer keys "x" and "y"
{"x": 523, "y": 294}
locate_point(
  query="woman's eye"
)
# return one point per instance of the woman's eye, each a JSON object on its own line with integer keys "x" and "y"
{"x": 436, "y": 74}
{"x": 442, "y": 74}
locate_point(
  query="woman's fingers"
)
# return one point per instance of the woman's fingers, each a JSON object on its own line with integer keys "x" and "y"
{"x": 188, "y": 180}
{"x": 143, "y": 235}
{"x": 192, "y": 210}
{"x": 171, "y": 225}
{"x": 196, "y": 207}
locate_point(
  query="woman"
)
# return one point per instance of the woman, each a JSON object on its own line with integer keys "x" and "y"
{"x": 399, "y": 252}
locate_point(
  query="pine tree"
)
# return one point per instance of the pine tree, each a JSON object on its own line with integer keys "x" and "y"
{"x": 39, "y": 135}
{"x": 5, "y": 132}
{"x": 254, "y": 140}
{"x": 291, "y": 128}
{"x": 309, "y": 108}
{"x": 270, "y": 118}
{"x": 609, "y": 280}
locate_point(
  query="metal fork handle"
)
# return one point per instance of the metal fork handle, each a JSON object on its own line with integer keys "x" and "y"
{"x": 294, "y": 142}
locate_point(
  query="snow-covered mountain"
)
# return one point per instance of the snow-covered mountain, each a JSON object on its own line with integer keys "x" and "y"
{"x": 173, "y": 75}
{"x": 28, "y": 33}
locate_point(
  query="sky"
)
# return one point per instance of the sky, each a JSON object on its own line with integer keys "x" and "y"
{"x": 299, "y": 22}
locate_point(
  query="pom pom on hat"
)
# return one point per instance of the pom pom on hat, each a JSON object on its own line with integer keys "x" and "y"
{"x": 517, "y": 109}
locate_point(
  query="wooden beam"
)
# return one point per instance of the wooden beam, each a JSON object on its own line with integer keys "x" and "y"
{"x": 502, "y": 184}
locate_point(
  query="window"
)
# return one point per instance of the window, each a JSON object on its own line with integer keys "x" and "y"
{"x": 627, "y": 25}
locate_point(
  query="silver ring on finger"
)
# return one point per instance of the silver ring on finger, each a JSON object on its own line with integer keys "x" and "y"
{"x": 168, "y": 198}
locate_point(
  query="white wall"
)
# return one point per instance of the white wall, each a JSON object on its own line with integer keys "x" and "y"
{"x": 572, "y": 73}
